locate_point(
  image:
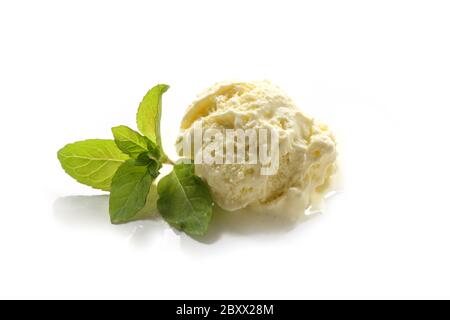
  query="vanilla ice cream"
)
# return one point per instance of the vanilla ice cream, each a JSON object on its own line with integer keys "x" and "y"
{"x": 307, "y": 149}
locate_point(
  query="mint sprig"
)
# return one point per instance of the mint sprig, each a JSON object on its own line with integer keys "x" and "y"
{"x": 129, "y": 165}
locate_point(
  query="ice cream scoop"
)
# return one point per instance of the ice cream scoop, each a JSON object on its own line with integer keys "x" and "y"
{"x": 306, "y": 148}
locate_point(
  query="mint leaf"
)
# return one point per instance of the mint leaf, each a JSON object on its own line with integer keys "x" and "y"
{"x": 92, "y": 162}
{"x": 130, "y": 141}
{"x": 134, "y": 144}
{"x": 130, "y": 188}
{"x": 154, "y": 151}
{"x": 149, "y": 114}
{"x": 185, "y": 201}
{"x": 150, "y": 209}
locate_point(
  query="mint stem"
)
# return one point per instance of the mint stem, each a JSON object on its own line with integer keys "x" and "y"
{"x": 169, "y": 161}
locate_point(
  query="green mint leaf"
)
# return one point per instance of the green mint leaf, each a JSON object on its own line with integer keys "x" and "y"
{"x": 154, "y": 151}
{"x": 150, "y": 209}
{"x": 130, "y": 188}
{"x": 149, "y": 114}
{"x": 185, "y": 201}
{"x": 130, "y": 141}
{"x": 92, "y": 162}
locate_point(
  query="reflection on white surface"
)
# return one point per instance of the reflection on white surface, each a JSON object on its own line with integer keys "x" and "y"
{"x": 91, "y": 212}
{"x": 88, "y": 211}
{"x": 246, "y": 223}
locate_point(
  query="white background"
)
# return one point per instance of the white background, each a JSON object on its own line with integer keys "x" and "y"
{"x": 378, "y": 72}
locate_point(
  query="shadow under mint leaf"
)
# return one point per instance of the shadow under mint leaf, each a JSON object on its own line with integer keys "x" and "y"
{"x": 92, "y": 213}
{"x": 83, "y": 211}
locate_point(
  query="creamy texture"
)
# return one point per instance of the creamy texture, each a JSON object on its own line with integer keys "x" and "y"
{"x": 307, "y": 149}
